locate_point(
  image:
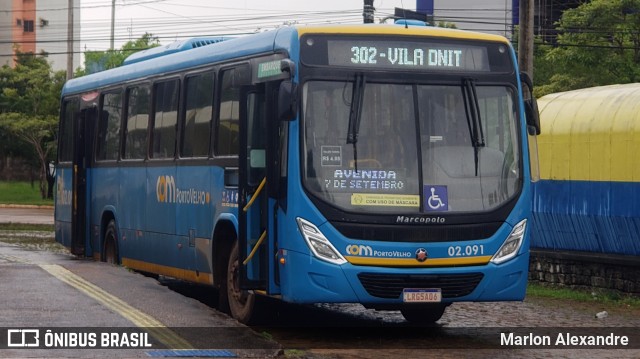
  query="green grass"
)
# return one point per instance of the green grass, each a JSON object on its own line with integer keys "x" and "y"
{"x": 607, "y": 297}
{"x": 22, "y": 193}
{"x": 26, "y": 227}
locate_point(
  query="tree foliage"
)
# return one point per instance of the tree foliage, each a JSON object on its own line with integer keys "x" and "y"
{"x": 29, "y": 107}
{"x": 96, "y": 61}
{"x": 598, "y": 43}
{"x": 30, "y": 104}
{"x": 31, "y": 87}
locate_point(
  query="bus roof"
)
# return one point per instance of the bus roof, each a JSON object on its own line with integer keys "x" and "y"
{"x": 283, "y": 39}
{"x": 388, "y": 29}
{"x": 220, "y": 51}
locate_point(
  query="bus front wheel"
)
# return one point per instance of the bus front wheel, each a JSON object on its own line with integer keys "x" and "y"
{"x": 110, "y": 249}
{"x": 423, "y": 314}
{"x": 241, "y": 302}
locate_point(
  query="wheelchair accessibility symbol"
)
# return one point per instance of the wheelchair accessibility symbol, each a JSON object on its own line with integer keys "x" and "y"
{"x": 435, "y": 198}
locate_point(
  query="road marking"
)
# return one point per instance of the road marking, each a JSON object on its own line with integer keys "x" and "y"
{"x": 158, "y": 330}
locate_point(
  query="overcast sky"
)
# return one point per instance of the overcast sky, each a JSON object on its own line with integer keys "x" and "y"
{"x": 172, "y": 20}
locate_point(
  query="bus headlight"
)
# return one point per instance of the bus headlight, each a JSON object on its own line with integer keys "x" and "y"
{"x": 318, "y": 243}
{"x": 512, "y": 244}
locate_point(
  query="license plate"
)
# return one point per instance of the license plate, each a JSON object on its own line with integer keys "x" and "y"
{"x": 421, "y": 295}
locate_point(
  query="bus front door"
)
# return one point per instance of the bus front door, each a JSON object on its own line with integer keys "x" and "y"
{"x": 256, "y": 208}
{"x": 81, "y": 161}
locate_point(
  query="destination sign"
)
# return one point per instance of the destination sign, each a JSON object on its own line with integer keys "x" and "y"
{"x": 407, "y": 55}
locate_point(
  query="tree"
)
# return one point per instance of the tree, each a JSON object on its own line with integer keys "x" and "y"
{"x": 37, "y": 131}
{"x": 598, "y": 44}
{"x": 29, "y": 108}
{"x": 447, "y": 25}
{"x": 96, "y": 61}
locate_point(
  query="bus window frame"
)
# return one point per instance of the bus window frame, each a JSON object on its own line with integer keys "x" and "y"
{"x": 218, "y": 101}
{"x": 63, "y": 107}
{"x": 152, "y": 117}
{"x": 186, "y": 76}
{"x": 125, "y": 118}
{"x": 102, "y": 93}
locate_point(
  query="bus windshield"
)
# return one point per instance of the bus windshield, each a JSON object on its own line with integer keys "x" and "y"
{"x": 418, "y": 148}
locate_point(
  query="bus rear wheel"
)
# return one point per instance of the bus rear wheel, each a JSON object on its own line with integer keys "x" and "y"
{"x": 241, "y": 302}
{"x": 110, "y": 248}
{"x": 423, "y": 314}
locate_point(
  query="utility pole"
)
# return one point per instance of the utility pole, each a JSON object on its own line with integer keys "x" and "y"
{"x": 70, "y": 42}
{"x": 525, "y": 37}
{"x": 113, "y": 21}
{"x": 367, "y": 13}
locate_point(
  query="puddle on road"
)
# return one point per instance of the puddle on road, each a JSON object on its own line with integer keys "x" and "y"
{"x": 33, "y": 240}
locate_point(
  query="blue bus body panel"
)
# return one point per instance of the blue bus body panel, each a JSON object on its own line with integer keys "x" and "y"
{"x": 165, "y": 214}
{"x": 106, "y": 194}
{"x": 326, "y": 282}
{"x": 586, "y": 216}
{"x": 63, "y": 199}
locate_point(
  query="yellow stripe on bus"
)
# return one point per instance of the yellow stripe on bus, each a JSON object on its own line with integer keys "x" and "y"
{"x": 412, "y": 262}
{"x": 399, "y": 30}
{"x": 184, "y": 274}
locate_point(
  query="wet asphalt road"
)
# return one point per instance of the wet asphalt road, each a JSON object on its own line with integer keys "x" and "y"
{"x": 32, "y": 296}
{"x": 52, "y": 291}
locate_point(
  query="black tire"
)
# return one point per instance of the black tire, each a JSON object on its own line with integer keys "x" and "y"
{"x": 241, "y": 302}
{"x": 423, "y": 314}
{"x": 110, "y": 248}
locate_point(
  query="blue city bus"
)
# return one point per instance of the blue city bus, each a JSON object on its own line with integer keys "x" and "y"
{"x": 383, "y": 165}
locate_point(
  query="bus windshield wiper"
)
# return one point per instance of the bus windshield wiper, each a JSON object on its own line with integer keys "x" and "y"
{"x": 357, "y": 99}
{"x": 474, "y": 121}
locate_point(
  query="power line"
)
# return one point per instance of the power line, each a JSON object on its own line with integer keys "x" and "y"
{"x": 237, "y": 24}
{"x": 66, "y": 8}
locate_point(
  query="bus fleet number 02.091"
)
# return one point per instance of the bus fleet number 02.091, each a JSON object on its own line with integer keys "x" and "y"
{"x": 461, "y": 251}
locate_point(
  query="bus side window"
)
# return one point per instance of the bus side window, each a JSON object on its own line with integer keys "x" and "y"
{"x": 108, "y": 143}
{"x": 165, "y": 119}
{"x": 198, "y": 112}
{"x": 71, "y": 107}
{"x": 135, "y": 138}
{"x": 227, "y": 143}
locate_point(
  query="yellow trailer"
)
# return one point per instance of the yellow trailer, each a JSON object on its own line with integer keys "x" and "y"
{"x": 588, "y": 195}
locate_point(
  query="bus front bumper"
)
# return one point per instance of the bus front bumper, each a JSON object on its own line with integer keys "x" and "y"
{"x": 306, "y": 279}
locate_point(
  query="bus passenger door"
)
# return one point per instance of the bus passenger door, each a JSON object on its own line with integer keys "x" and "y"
{"x": 256, "y": 219}
{"x": 82, "y": 146}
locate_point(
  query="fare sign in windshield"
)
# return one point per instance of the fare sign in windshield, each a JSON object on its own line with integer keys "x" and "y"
{"x": 407, "y": 55}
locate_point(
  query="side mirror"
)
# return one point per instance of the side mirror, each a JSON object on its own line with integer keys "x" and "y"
{"x": 533, "y": 116}
{"x": 287, "y": 101}
{"x": 530, "y": 105}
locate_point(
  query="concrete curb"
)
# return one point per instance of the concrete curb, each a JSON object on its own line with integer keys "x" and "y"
{"x": 25, "y": 206}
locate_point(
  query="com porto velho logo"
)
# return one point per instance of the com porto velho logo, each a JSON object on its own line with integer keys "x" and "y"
{"x": 167, "y": 191}
{"x": 367, "y": 251}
